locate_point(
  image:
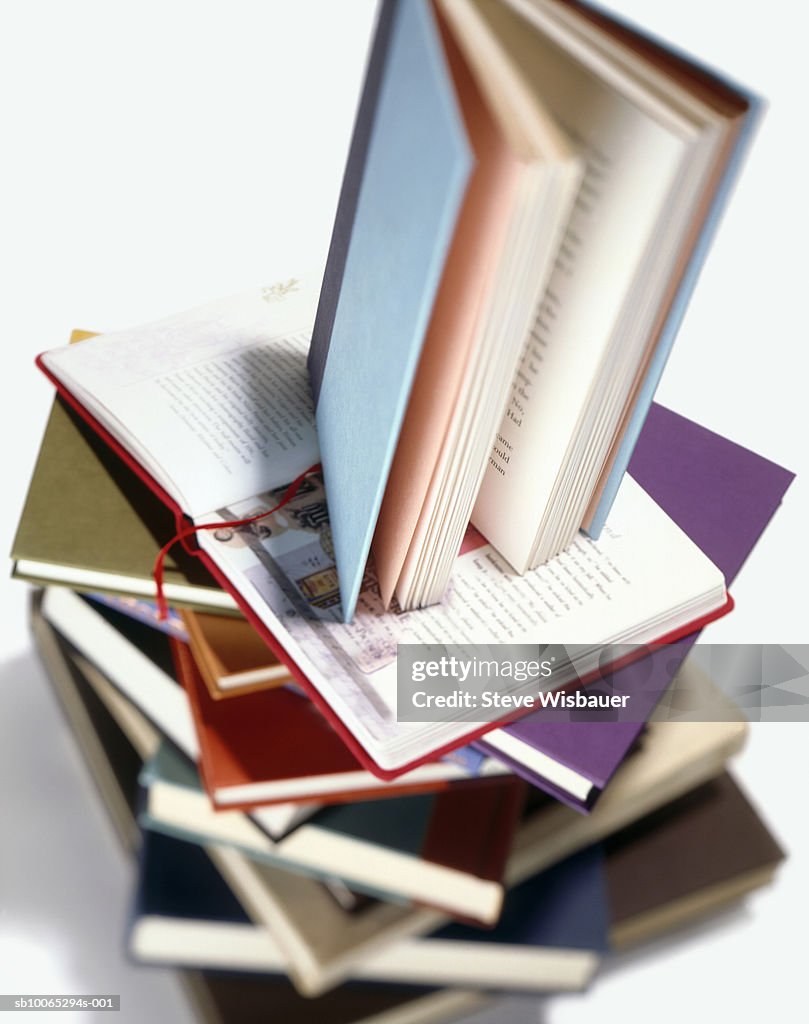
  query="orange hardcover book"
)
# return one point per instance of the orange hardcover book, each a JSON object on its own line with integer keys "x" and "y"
{"x": 273, "y": 746}
{"x": 231, "y": 657}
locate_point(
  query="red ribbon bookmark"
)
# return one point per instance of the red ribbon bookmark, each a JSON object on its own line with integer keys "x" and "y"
{"x": 189, "y": 531}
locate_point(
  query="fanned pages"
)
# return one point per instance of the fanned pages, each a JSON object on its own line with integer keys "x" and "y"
{"x": 519, "y": 194}
{"x": 649, "y": 145}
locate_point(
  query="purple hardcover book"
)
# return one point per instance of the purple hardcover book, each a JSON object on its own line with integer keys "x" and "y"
{"x": 722, "y": 496}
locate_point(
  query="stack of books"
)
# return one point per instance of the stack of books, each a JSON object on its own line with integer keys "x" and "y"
{"x": 450, "y": 439}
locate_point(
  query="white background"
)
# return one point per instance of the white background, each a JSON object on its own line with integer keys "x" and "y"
{"x": 157, "y": 155}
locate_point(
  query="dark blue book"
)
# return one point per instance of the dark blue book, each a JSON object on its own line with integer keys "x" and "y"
{"x": 446, "y": 850}
{"x": 551, "y": 935}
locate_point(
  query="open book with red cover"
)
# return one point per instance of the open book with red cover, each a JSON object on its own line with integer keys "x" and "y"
{"x": 212, "y": 410}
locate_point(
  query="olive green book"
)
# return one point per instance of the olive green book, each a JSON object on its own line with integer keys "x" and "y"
{"x": 91, "y": 524}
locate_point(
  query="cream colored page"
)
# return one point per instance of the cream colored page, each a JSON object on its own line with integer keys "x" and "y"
{"x": 677, "y": 88}
{"x": 468, "y": 276}
{"x": 631, "y": 165}
{"x": 214, "y": 402}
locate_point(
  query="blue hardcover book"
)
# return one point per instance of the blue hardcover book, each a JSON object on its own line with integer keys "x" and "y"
{"x": 554, "y": 926}
{"x": 447, "y": 849}
{"x": 405, "y": 180}
{"x": 185, "y": 914}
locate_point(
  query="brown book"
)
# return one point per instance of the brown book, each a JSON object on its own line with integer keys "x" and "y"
{"x": 231, "y": 657}
{"x": 250, "y": 999}
{"x": 700, "y": 853}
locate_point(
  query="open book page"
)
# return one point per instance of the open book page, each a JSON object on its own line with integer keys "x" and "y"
{"x": 642, "y": 578}
{"x": 632, "y": 167}
{"x": 215, "y": 402}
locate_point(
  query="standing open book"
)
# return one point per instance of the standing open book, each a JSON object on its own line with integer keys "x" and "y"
{"x": 529, "y": 194}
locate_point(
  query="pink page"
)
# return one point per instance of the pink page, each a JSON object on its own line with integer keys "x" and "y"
{"x": 467, "y": 280}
